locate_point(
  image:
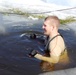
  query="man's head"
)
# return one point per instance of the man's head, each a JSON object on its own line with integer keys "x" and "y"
{"x": 51, "y": 24}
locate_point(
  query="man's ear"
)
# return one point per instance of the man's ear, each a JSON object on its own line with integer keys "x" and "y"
{"x": 52, "y": 27}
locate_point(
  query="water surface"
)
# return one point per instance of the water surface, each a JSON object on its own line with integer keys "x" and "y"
{"x": 15, "y": 44}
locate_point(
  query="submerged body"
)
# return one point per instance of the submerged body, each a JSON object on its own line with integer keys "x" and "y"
{"x": 62, "y": 64}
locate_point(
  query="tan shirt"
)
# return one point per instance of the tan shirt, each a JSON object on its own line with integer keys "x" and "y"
{"x": 56, "y": 48}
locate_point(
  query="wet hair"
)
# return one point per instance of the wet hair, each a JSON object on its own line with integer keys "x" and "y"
{"x": 54, "y": 18}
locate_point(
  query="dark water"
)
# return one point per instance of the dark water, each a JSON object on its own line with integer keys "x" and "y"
{"x": 15, "y": 44}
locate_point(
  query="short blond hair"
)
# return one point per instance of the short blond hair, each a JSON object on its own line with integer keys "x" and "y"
{"x": 55, "y": 19}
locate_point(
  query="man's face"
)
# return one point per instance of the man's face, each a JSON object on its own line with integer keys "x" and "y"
{"x": 47, "y": 27}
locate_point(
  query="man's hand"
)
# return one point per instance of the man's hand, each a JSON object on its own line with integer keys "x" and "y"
{"x": 32, "y": 53}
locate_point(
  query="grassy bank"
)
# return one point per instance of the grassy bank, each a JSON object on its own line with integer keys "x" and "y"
{"x": 67, "y": 20}
{"x": 39, "y": 16}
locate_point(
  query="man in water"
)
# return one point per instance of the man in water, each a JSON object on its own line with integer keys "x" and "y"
{"x": 55, "y": 49}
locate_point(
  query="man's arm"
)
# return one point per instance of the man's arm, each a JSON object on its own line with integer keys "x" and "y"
{"x": 52, "y": 59}
{"x": 54, "y": 55}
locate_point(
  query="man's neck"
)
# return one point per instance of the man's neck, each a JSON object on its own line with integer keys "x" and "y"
{"x": 53, "y": 34}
